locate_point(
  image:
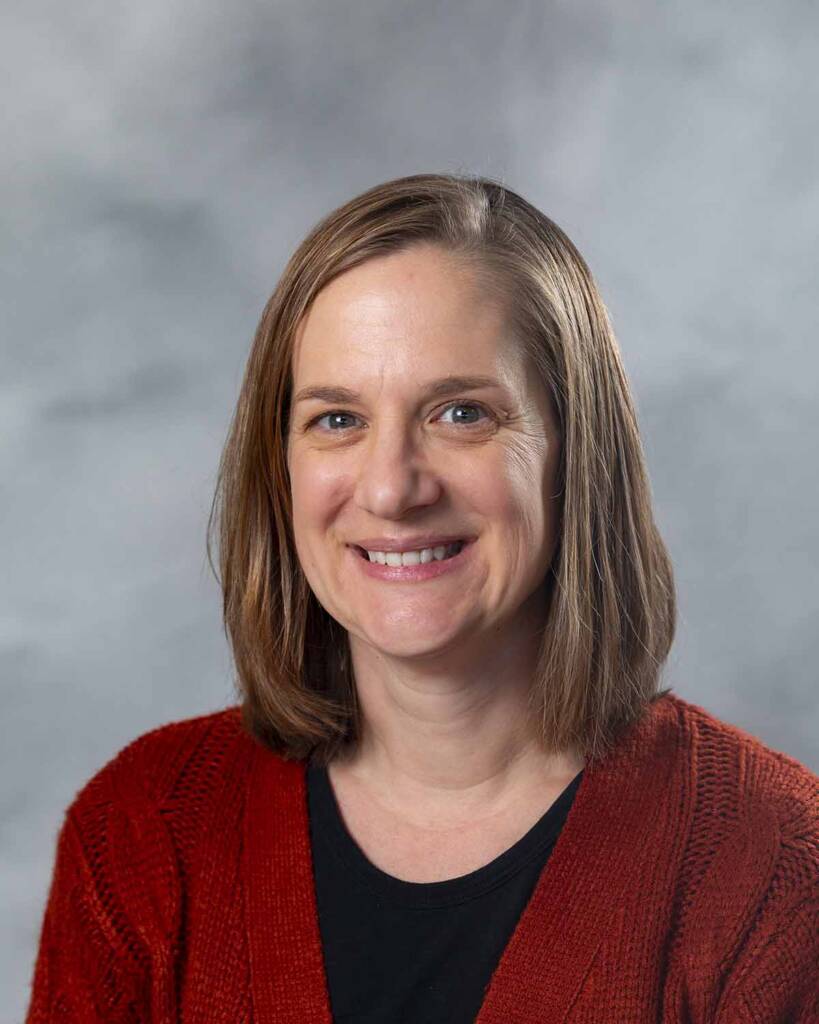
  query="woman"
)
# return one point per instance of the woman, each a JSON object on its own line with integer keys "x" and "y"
{"x": 453, "y": 789}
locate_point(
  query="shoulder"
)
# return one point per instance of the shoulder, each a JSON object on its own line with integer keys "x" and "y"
{"x": 747, "y": 892}
{"x": 162, "y": 766}
{"x": 729, "y": 762}
{"x": 752, "y": 811}
{"x": 124, "y": 836}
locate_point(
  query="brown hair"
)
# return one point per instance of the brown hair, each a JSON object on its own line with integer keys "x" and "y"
{"x": 610, "y": 616}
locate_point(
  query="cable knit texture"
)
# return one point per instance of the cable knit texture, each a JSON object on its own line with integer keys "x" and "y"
{"x": 684, "y": 887}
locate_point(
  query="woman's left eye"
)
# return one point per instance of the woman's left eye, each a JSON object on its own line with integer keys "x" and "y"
{"x": 337, "y": 414}
{"x": 465, "y": 405}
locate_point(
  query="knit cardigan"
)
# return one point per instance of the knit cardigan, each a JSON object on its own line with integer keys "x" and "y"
{"x": 683, "y": 887}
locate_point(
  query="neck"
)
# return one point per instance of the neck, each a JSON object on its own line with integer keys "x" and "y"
{"x": 455, "y": 740}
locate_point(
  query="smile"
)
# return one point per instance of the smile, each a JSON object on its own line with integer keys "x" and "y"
{"x": 420, "y": 556}
{"x": 412, "y": 566}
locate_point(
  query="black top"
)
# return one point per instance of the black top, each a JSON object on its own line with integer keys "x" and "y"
{"x": 399, "y": 952}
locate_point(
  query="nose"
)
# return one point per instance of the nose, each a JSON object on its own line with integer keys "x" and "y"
{"x": 394, "y": 474}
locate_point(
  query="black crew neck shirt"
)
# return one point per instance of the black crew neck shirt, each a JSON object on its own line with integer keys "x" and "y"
{"x": 398, "y": 952}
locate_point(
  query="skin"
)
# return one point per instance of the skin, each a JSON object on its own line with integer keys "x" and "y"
{"x": 449, "y": 752}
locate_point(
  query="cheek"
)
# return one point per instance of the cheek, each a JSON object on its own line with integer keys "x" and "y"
{"x": 519, "y": 500}
{"x": 523, "y": 479}
{"x": 313, "y": 487}
{"x": 318, "y": 495}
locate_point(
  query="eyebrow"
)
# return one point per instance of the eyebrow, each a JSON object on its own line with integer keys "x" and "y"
{"x": 434, "y": 389}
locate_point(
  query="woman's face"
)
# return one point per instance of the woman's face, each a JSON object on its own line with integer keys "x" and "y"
{"x": 383, "y": 457}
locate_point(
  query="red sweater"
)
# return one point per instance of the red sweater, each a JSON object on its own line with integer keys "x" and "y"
{"x": 684, "y": 887}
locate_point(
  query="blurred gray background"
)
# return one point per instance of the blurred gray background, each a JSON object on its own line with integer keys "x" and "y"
{"x": 160, "y": 162}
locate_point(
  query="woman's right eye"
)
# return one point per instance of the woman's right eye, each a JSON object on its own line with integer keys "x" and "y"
{"x": 333, "y": 416}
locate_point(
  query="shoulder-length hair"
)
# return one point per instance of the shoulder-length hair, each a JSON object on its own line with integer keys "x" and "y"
{"x": 610, "y": 613}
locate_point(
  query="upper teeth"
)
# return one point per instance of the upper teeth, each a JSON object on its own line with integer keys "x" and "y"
{"x": 413, "y": 557}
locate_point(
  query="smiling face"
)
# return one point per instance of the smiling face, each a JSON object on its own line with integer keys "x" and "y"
{"x": 391, "y": 458}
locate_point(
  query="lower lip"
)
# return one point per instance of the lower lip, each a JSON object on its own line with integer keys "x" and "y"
{"x": 411, "y": 573}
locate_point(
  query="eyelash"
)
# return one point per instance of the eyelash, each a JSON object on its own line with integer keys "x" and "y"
{"x": 451, "y": 405}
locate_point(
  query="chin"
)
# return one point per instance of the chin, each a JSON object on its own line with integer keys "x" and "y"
{"x": 416, "y": 643}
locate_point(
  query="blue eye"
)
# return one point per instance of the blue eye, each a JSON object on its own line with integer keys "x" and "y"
{"x": 339, "y": 414}
{"x": 331, "y": 415}
{"x": 465, "y": 405}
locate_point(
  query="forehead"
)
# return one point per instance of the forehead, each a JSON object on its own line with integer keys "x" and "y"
{"x": 402, "y": 314}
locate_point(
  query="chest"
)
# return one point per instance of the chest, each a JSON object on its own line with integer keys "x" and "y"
{"x": 436, "y": 851}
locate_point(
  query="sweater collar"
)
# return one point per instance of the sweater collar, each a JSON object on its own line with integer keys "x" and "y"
{"x": 618, "y": 831}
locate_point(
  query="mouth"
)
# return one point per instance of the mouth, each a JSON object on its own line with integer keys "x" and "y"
{"x": 441, "y": 553}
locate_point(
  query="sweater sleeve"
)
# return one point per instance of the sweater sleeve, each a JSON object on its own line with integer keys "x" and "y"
{"x": 775, "y": 976}
{"x": 777, "y": 979}
{"x": 110, "y": 932}
{"x": 88, "y": 968}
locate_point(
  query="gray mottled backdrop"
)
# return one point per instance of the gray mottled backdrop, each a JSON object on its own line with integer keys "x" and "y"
{"x": 159, "y": 162}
